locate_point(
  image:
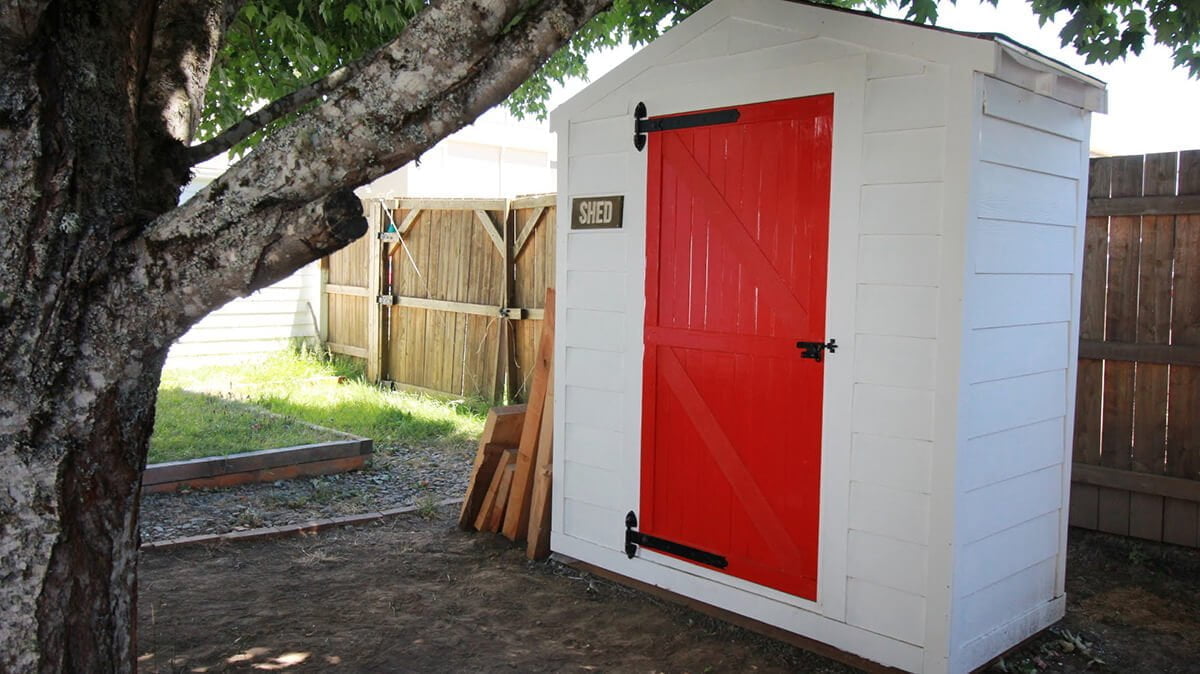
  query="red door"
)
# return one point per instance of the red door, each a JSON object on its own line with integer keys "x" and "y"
{"x": 737, "y": 244}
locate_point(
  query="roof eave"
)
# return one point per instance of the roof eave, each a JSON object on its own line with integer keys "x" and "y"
{"x": 1031, "y": 70}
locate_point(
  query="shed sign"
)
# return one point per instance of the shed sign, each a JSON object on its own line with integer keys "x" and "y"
{"x": 596, "y": 212}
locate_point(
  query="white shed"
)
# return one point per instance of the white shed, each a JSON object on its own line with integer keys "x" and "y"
{"x": 914, "y": 197}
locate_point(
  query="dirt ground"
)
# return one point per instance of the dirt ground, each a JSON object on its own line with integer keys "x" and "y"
{"x": 415, "y": 594}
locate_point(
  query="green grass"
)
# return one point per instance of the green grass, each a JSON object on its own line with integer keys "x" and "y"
{"x": 323, "y": 391}
{"x": 192, "y": 425}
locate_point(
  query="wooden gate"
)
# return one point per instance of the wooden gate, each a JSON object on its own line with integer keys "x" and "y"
{"x": 1137, "y": 413}
{"x": 737, "y": 242}
{"x": 445, "y": 295}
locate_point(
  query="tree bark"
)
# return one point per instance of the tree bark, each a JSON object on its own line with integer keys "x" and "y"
{"x": 100, "y": 272}
{"x": 75, "y": 411}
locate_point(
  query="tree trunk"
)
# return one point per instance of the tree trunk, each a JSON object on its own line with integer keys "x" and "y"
{"x": 77, "y": 385}
{"x": 100, "y": 272}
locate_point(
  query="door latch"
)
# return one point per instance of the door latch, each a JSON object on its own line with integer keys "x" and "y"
{"x": 814, "y": 350}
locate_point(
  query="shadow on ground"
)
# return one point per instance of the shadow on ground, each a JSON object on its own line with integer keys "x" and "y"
{"x": 418, "y": 595}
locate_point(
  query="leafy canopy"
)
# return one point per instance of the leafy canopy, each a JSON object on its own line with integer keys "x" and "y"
{"x": 275, "y": 47}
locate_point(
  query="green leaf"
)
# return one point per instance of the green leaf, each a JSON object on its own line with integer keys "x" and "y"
{"x": 277, "y": 46}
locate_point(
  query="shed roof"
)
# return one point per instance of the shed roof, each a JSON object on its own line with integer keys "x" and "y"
{"x": 985, "y": 35}
{"x": 986, "y": 52}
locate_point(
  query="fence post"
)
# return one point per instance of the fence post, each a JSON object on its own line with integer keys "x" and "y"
{"x": 505, "y": 345}
{"x": 375, "y": 337}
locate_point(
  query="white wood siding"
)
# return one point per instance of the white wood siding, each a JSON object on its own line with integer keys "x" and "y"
{"x": 895, "y": 347}
{"x": 254, "y": 326}
{"x": 1021, "y": 302}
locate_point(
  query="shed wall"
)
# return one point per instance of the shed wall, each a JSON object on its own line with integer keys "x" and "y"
{"x": 885, "y": 278}
{"x": 895, "y": 347}
{"x": 1025, "y": 245}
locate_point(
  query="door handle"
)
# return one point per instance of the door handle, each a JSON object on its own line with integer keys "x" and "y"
{"x": 814, "y": 350}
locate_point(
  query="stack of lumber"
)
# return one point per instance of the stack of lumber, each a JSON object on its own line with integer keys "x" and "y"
{"x": 509, "y": 491}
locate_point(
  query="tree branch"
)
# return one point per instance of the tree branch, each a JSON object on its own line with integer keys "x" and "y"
{"x": 457, "y": 59}
{"x": 182, "y": 44}
{"x": 275, "y": 110}
{"x": 186, "y": 36}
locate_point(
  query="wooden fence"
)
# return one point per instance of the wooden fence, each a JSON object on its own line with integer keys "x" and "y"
{"x": 1137, "y": 414}
{"x": 466, "y": 280}
{"x": 445, "y": 295}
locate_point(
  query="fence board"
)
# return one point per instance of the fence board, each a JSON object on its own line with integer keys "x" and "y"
{"x": 1183, "y": 450}
{"x": 349, "y": 266}
{"x": 1084, "y": 505}
{"x": 1153, "y": 327}
{"x": 346, "y": 314}
{"x": 1183, "y": 432}
{"x": 1138, "y": 395}
{"x": 1181, "y": 522}
{"x": 452, "y": 293}
{"x": 1090, "y": 378}
{"x": 1189, "y": 172}
{"x": 1120, "y": 323}
{"x": 347, "y": 317}
{"x": 534, "y": 272}
{"x": 441, "y": 272}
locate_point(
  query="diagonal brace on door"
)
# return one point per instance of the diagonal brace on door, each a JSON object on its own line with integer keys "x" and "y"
{"x": 729, "y": 226}
{"x": 723, "y": 452}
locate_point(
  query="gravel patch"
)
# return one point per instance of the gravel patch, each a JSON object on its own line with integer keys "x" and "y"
{"x": 395, "y": 477}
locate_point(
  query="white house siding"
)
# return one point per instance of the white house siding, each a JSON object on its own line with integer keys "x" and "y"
{"x": 1018, "y": 363}
{"x": 251, "y": 327}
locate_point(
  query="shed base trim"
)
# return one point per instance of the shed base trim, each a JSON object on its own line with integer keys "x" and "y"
{"x": 803, "y": 628}
{"x": 811, "y": 645}
{"x": 983, "y": 649}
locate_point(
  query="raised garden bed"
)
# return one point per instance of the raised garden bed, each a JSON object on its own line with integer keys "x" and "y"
{"x": 262, "y": 466}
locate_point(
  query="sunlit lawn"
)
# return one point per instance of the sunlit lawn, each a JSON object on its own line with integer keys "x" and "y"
{"x": 191, "y": 425}
{"x": 305, "y": 386}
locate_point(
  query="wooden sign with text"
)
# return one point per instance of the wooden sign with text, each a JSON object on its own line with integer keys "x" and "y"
{"x": 597, "y": 212}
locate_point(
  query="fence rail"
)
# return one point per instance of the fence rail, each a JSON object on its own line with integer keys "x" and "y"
{"x": 445, "y": 295}
{"x": 1137, "y": 413}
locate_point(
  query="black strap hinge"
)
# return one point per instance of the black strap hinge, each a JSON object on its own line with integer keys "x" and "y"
{"x": 643, "y": 126}
{"x": 813, "y": 349}
{"x": 635, "y": 538}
